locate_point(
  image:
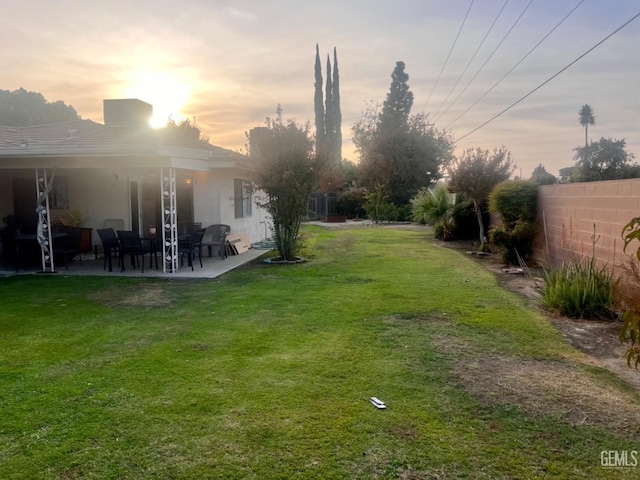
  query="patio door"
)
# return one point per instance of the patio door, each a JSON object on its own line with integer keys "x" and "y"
{"x": 145, "y": 205}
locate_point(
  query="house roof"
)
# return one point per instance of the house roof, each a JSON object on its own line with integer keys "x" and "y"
{"x": 86, "y": 138}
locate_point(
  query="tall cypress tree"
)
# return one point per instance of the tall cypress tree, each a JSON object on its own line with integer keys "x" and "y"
{"x": 328, "y": 117}
{"x": 337, "y": 113}
{"x": 319, "y": 106}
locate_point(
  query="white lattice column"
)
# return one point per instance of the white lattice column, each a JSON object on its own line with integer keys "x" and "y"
{"x": 170, "y": 223}
{"x": 43, "y": 235}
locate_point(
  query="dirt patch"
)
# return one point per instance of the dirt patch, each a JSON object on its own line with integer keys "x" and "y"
{"x": 542, "y": 388}
{"x": 598, "y": 339}
{"x": 146, "y": 296}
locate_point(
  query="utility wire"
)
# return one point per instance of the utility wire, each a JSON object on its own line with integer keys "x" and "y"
{"x": 471, "y": 60}
{"x": 448, "y": 56}
{"x": 489, "y": 57}
{"x": 515, "y": 66}
{"x": 552, "y": 77}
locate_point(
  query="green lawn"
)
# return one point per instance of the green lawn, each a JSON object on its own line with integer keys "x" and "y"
{"x": 266, "y": 373}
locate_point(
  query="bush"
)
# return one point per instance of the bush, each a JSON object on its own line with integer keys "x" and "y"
{"x": 437, "y": 207}
{"x": 516, "y": 203}
{"x": 579, "y": 290}
{"x": 351, "y": 205}
{"x": 378, "y": 207}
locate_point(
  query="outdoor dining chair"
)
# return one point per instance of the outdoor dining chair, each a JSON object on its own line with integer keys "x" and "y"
{"x": 216, "y": 236}
{"x": 131, "y": 244}
{"x": 189, "y": 245}
{"x": 68, "y": 246}
{"x": 110, "y": 246}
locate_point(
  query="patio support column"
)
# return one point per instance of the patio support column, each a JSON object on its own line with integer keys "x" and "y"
{"x": 43, "y": 235}
{"x": 169, "y": 217}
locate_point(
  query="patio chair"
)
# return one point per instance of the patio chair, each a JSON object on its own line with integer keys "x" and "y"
{"x": 216, "y": 236}
{"x": 131, "y": 244}
{"x": 68, "y": 247}
{"x": 110, "y": 246}
{"x": 189, "y": 245}
{"x": 188, "y": 228}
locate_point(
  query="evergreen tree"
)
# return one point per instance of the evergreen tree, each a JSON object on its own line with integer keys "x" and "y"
{"x": 398, "y": 151}
{"x": 396, "y": 109}
{"x": 328, "y": 117}
{"x": 318, "y": 99}
{"x": 337, "y": 113}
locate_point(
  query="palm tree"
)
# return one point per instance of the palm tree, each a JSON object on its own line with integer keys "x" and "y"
{"x": 586, "y": 118}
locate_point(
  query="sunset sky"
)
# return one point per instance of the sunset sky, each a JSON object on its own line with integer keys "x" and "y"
{"x": 229, "y": 63}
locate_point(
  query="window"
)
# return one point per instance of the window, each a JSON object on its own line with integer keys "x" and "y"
{"x": 242, "y": 197}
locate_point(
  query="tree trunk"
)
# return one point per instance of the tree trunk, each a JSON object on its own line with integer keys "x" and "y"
{"x": 480, "y": 223}
{"x": 586, "y": 135}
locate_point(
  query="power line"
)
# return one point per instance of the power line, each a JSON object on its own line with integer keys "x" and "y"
{"x": 515, "y": 66}
{"x": 488, "y": 58}
{"x": 471, "y": 60}
{"x": 448, "y": 56}
{"x": 552, "y": 77}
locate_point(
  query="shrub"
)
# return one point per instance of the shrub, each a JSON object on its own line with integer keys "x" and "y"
{"x": 630, "y": 332}
{"x": 437, "y": 207}
{"x": 516, "y": 203}
{"x": 378, "y": 207}
{"x": 350, "y": 204}
{"x": 579, "y": 289}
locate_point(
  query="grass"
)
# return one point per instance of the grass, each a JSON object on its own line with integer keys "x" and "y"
{"x": 265, "y": 373}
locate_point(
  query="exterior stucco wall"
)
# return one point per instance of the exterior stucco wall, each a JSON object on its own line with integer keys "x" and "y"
{"x": 214, "y": 202}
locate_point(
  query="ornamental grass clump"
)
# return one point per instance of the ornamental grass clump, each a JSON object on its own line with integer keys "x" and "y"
{"x": 579, "y": 289}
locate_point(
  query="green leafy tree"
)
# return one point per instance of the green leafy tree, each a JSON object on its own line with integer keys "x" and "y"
{"x": 542, "y": 177}
{"x": 397, "y": 150}
{"x": 476, "y": 173}
{"x": 23, "y": 108}
{"x": 183, "y": 133}
{"x": 606, "y": 159}
{"x": 318, "y": 103}
{"x": 586, "y": 118}
{"x": 287, "y": 172}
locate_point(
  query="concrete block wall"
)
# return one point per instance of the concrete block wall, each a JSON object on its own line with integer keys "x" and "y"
{"x": 568, "y": 215}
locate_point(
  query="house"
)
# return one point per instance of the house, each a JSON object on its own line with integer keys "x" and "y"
{"x": 123, "y": 171}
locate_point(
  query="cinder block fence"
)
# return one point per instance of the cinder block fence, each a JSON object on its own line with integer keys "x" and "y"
{"x": 567, "y": 215}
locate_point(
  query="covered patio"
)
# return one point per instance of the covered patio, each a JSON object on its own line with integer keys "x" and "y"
{"x": 212, "y": 267}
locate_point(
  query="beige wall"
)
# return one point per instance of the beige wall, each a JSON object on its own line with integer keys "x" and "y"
{"x": 568, "y": 213}
{"x": 215, "y": 203}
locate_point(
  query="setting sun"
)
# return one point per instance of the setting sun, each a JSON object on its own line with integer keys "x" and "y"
{"x": 167, "y": 93}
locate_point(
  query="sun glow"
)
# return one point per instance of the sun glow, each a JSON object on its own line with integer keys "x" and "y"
{"x": 165, "y": 91}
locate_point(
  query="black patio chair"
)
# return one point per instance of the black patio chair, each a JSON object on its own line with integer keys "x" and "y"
{"x": 189, "y": 245}
{"x": 216, "y": 236}
{"x": 131, "y": 244}
{"x": 188, "y": 228}
{"x": 110, "y": 246}
{"x": 68, "y": 247}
